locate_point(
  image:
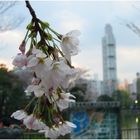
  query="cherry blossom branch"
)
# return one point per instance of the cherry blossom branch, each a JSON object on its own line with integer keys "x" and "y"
{"x": 49, "y": 61}
{"x": 32, "y": 12}
{"x": 36, "y": 21}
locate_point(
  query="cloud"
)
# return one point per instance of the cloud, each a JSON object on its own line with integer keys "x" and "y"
{"x": 7, "y": 62}
{"x": 90, "y": 59}
{"x": 10, "y": 41}
{"x": 69, "y": 21}
{"x": 128, "y": 61}
{"x": 123, "y": 8}
{"x": 11, "y": 37}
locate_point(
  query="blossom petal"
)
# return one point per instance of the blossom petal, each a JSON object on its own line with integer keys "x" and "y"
{"x": 74, "y": 33}
{"x": 19, "y": 115}
{"x": 32, "y": 62}
{"x": 30, "y": 88}
{"x": 70, "y": 124}
{"x": 38, "y": 92}
{"x": 38, "y": 53}
{"x": 20, "y": 60}
{"x": 53, "y": 133}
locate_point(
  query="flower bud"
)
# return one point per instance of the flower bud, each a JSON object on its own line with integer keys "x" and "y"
{"x": 22, "y": 47}
{"x": 20, "y": 60}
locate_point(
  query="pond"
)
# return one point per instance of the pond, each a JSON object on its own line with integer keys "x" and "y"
{"x": 130, "y": 124}
{"x": 130, "y": 119}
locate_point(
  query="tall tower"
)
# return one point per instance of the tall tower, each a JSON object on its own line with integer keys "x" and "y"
{"x": 109, "y": 61}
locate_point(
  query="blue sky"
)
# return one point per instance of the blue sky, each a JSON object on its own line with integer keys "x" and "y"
{"x": 90, "y": 18}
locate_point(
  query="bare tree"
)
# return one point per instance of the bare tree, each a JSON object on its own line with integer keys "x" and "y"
{"x": 131, "y": 25}
{"x": 4, "y": 6}
{"x": 8, "y": 22}
{"x": 133, "y": 28}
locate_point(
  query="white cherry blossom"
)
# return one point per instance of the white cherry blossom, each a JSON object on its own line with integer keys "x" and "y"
{"x": 52, "y": 74}
{"x": 20, "y": 60}
{"x": 70, "y": 77}
{"x": 51, "y": 132}
{"x": 38, "y": 53}
{"x": 64, "y": 100}
{"x": 35, "y": 81}
{"x": 66, "y": 128}
{"x": 70, "y": 43}
{"x": 37, "y": 89}
{"x": 37, "y": 57}
{"x": 54, "y": 71}
{"x": 32, "y": 123}
{"x": 42, "y": 68}
{"x": 19, "y": 115}
{"x": 62, "y": 129}
{"x": 32, "y": 61}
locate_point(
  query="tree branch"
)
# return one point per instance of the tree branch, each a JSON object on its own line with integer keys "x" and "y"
{"x": 32, "y": 12}
{"x": 4, "y": 6}
{"x": 36, "y": 21}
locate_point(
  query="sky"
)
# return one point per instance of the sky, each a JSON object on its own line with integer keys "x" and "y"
{"x": 90, "y": 18}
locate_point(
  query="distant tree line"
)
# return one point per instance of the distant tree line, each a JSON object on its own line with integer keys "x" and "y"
{"x": 12, "y": 96}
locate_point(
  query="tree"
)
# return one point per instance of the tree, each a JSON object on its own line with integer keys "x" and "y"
{"x": 78, "y": 92}
{"x": 124, "y": 98}
{"x": 104, "y": 98}
{"x": 8, "y": 22}
{"x": 12, "y": 94}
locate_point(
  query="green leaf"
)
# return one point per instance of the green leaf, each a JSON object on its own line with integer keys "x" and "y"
{"x": 30, "y": 26}
{"x": 32, "y": 34}
{"x": 34, "y": 42}
{"x": 46, "y": 48}
{"x": 44, "y": 25}
{"x": 49, "y": 36}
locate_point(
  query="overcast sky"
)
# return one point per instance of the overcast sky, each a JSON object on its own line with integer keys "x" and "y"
{"x": 90, "y": 18}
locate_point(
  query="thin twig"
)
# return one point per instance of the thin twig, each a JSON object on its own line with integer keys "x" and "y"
{"x": 32, "y": 12}
{"x": 36, "y": 21}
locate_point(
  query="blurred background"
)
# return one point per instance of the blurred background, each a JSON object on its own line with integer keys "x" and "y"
{"x": 109, "y": 53}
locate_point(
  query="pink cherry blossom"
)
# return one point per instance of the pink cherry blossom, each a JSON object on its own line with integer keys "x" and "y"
{"x": 70, "y": 43}
{"x": 19, "y": 115}
{"x": 20, "y": 60}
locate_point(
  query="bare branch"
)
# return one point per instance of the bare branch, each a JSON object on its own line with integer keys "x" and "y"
{"x": 134, "y": 28}
{"x": 8, "y": 22}
{"x": 6, "y": 5}
{"x": 32, "y": 12}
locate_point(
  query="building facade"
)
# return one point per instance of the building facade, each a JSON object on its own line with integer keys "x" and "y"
{"x": 138, "y": 82}
{"x": 134, "y": 87}
{"x": 109, "y": 61}
{"x": 93, "y": 122}
{"x": 88, "y": 89}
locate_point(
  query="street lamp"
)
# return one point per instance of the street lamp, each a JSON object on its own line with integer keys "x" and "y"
{"x": 137, "y": 119}
{"x": 136, "y": 101}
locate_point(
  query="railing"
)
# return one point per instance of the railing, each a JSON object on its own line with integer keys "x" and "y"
{"x": 99, "y": 104}
{"x": 32, "y": 135}
{"x": 126, "y": 134}
{"x": 36, "y": 135}
{"x": 131, "y": 133}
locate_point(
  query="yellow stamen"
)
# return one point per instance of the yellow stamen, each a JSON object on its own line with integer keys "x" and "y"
{"x": 41, "y": 60}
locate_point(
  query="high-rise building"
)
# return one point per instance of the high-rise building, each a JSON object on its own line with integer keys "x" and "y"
{"x": 109, "y": 61}
{"x": 134, "y": 87}
{"x": 138, "y": 83}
